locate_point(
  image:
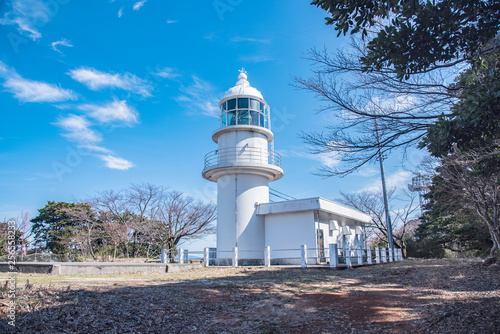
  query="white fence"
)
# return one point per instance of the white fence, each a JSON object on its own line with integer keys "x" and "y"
{"x": 332, "y": 256}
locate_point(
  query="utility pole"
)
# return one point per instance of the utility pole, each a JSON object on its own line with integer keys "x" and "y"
{"x": 388, "y": 223}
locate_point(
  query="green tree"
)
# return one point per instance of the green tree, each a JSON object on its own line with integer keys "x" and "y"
{"x": 400, "y": 75}
{"x": 456, "y": 230}
{"x": 475, "y": 119}
{"x": 411, "y": 36}
{"x": 54, "y": 227}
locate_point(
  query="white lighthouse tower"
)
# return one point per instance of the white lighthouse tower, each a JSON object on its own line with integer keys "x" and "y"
{"x": 243, "y": 165}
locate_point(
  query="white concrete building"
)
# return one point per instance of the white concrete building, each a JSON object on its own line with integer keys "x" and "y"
{"x": 243, "y": 165}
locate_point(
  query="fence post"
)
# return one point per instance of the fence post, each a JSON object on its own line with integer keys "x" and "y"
{"x": 369, "y": 255}
{"x": 163, "y": 256}
{"x": 348, "y": 256}
{"x": 235, "y": 256}
{"x": 205, "y": 257}
{"x": 360, "y": 257}
{"x": 303, "y": 255}
{"x": 334, "y": 256}
{"x": 383, "y": 255}
{"x": 180, "y": 256}
{"x": 391, "y": 253}
{"x": 267, "y": 256}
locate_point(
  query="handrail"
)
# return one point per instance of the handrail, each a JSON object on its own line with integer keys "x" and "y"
{"x": 242, "y": 155}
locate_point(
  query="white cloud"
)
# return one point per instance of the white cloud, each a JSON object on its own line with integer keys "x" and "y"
{"x": 97, "y": 80}
{"x": 63, "y": 42}
{"x": 139, "y": 4}
{"x": 326, "y": 159}
{"x": 367, "y": 171}
{"x": 398, "y": 180}
{"x": 172, "y": 21}
{"x": 26, "y": 14}
{"x": 116, "y": 111}
{"x": 95, "y": 148}
{"x": 198, "y": 96}
{"x": 26, "y": 90}
{"x": 166, "y": 73}
{"x": 120, "y": 12}
{"x": 78, "y": 129}
{"x": 116, "y": 162}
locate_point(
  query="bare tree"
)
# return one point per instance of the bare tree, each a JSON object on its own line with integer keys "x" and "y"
{"x": 117, "y": 232}
{"x": 149, "y": 215}
{"x": 373, "y": 205}
{"x": 464, "y": 179}
{"x": 144, "y": 200}
{"x": 112, "y": 207}
{"x": 183, "y": 217}
{"x": 402, "y": 109}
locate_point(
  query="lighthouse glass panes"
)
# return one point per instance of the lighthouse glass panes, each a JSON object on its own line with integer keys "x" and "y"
{"x": 243, "y": 111}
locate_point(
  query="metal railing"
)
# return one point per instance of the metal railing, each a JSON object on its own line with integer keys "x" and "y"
{"x": 241, "y": 156}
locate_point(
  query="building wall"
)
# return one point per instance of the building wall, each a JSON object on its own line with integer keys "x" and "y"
{"x": 240, "y": 139}
{"x": 289, "y": 231}
{"x": 237, "y": 222}
{"x": 334, "y": 236}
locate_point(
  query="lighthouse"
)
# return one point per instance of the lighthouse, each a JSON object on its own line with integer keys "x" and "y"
{"x": 243, "y": 165}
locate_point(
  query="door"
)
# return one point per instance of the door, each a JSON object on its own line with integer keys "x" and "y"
{"x": 321, "y": 245}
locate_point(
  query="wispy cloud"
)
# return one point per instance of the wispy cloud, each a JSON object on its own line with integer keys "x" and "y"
{"x": 116, "y": 162}
{"x": 172, "y": 21}
{"x": 120, "y": 12}
{"x": 239, "y": 39}
{"x": 63, "y": 42}
{"x": 166, "y": 73}
{"x": 139, "y": 4}
{"x": 367, "y": 171}
{"x": 78, "y": 129}
{"x": 326, "y": 159}
{"x": 26, "y": 90}
{"x": 117, "y": 112}
{"x": 97, "y": 80}
{"x": 398, "y": 180}
{"x": 94, "y": 148}
{"x": 255, "y": 59}
{"x": 25, "y": 14}
{"x": 198, "y": 96}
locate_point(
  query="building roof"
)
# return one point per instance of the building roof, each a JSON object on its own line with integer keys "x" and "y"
{"x": 310, "y": 204}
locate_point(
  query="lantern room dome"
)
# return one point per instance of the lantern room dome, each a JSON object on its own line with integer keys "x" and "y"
{"x": 242, "y": 88}
{"x": 243, "y": 105}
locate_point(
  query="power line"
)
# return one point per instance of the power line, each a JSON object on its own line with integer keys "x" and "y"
{"x": 281, "y": 195}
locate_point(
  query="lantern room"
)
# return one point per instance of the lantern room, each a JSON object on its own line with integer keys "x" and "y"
{"x": 244, "y": 105}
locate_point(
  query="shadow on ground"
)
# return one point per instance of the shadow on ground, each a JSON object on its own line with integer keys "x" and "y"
{"x": 413, "y": 296}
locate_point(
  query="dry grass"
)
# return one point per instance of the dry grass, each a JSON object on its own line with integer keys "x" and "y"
{"x": 437, "y": 296}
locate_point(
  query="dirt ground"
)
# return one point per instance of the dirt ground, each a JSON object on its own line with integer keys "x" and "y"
{"x": 414, "y": 296}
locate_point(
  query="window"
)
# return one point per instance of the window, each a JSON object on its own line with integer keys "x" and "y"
{"x": 231, "y": 118}
{"x": 243, "y": 117}
{"x": 242, "y": 103}
{"x": 254, "y": 117}
{"x": 254, "y": 104}
{"x": 231, "y": 104}
{"x": 224, "y": 119}
{"x": 243, "y": 111}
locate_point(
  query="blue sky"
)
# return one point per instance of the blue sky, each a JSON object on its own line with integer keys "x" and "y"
{"x": 99, "y": 94}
